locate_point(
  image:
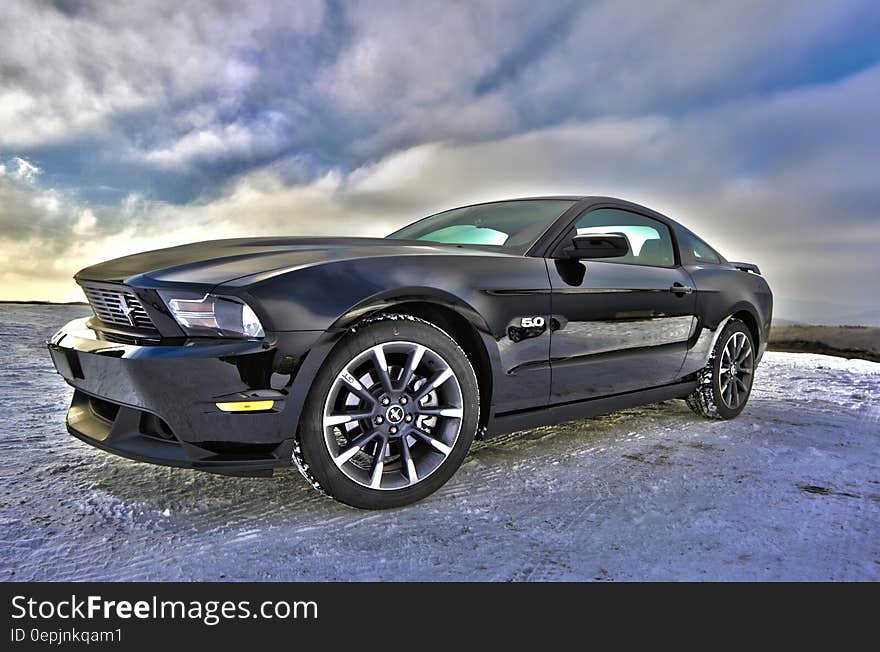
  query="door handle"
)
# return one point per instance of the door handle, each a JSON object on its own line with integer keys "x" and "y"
{"x": 678, "y": 288}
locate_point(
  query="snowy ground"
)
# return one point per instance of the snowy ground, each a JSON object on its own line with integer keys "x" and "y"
{"x": 790, "y": 490}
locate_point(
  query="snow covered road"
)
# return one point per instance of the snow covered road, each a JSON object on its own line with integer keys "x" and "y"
{"x": 790, "y": 490}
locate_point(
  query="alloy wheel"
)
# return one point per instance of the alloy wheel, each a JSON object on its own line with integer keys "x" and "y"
{"x": 393, "y": 415}
{"x": 735, "y": 370}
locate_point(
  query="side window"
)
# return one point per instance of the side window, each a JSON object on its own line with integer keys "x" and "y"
{"x": 650, "y": 242}
{"x": 694, "y": 249}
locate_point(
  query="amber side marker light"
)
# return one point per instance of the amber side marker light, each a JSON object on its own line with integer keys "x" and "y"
{"x": 245, "y": 406}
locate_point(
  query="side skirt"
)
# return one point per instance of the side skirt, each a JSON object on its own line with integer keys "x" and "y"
{"x": 562, "y": 412}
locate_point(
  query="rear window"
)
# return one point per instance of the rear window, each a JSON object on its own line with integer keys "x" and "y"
{"x": 695, "y": 250}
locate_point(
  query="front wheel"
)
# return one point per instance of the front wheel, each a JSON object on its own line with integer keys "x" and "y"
{"x": 726, "y": 382}
{"x": 391, "y": 414}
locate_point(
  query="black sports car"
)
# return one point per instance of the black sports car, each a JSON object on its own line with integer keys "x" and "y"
{"x": 373, "y": 363}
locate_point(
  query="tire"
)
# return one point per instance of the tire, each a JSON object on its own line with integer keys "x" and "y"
{"x": 724, "y": 389}
{"x": 378, "y": 440}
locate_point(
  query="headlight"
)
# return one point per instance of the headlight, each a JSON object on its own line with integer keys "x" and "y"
{"x": 207, "y": 314}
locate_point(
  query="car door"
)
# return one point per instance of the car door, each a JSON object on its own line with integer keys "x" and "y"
{"x": 618, "y": 324}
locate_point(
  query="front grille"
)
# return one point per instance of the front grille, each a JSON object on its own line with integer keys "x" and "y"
{"x": 119, "y": 308}
{"x": 122, "y": 338}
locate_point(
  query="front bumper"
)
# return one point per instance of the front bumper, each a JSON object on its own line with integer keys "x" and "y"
{"x": 158, "y": 403}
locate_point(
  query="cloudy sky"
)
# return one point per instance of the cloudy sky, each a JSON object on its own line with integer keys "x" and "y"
{"x": 127, "y": 126}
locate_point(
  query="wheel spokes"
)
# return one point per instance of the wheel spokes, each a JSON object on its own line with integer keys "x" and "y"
{"x": 378, "y": 465}
{"x": 381, "y": 365}
{"x": 411, "y": 473}
{"x": 450, "y": 412}
{"x": 434, "y": 443}
{"x": 356, "y": 388}
{"x": 735, "y": 370}
{"x": 412, "y": 363}
{"x": 430, "y": 386}
{"x": 331, "y": 420}
{"x": 355, "y": 447}
{"x": 403, "y": 402}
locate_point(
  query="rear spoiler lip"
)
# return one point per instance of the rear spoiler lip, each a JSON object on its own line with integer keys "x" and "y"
{"x": 746, "y": 267}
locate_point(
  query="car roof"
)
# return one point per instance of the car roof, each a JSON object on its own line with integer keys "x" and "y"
{"x": 541, "y": 197}
{"x": 582, "y": 201}
{"x": 574, "y": 198}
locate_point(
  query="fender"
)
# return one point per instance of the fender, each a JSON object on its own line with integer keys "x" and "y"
{"x": 312, "y": 360}
{"x": 429, "y": 296}
{"x": 706, "y": 336}
{"x": 420, "y": 294}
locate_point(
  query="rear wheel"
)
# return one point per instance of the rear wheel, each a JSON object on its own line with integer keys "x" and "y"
{"x": 391, "y": 414}
{"x": 726, "y": 381}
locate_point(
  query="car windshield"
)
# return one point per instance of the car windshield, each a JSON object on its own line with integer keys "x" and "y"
{"x": 510, "y": 225}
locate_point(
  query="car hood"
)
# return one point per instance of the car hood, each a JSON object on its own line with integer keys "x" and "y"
{"x": 221, "y": 261}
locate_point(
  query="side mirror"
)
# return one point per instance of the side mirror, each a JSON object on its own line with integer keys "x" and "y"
{"x": 597, "y": 245}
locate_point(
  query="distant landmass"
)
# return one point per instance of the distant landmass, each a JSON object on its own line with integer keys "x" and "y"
{"x": 843, "y": 341}
{"x": 867, "y": 318}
